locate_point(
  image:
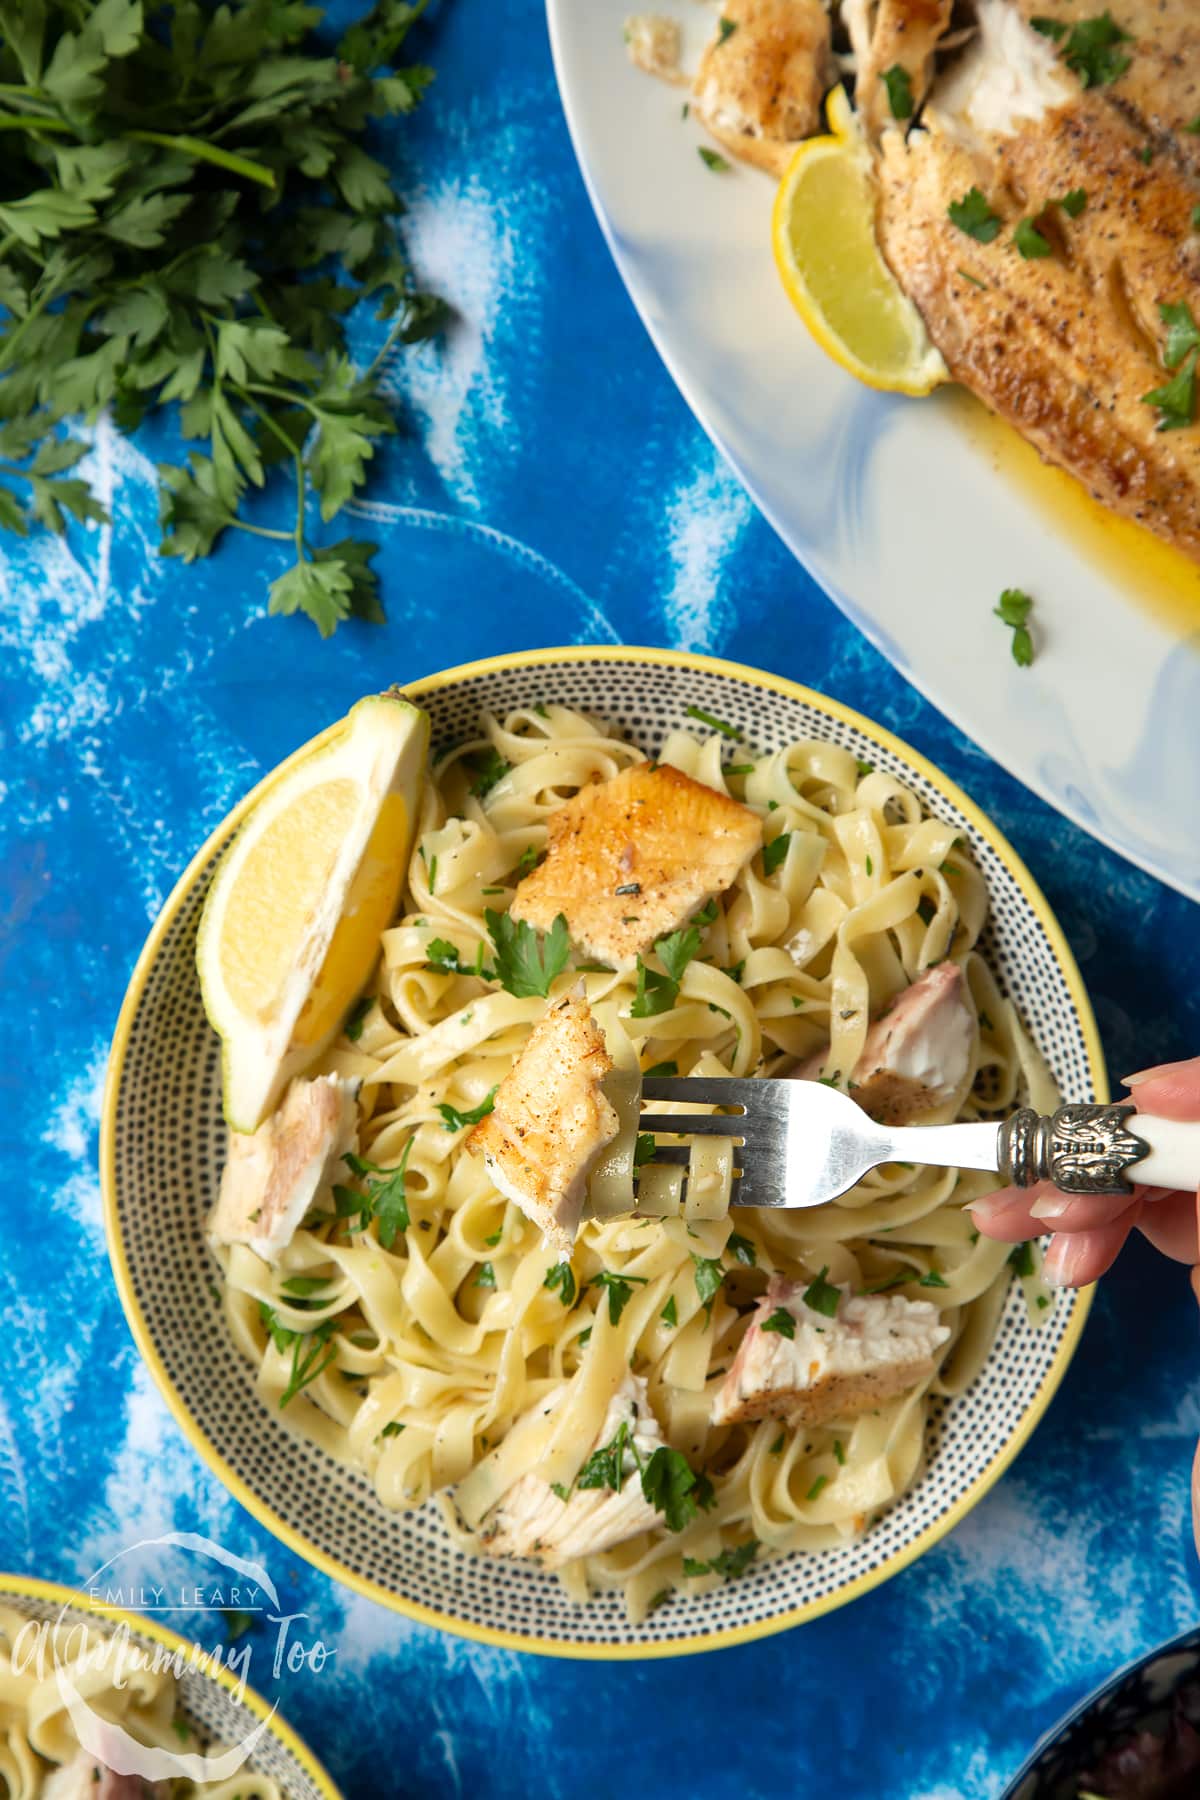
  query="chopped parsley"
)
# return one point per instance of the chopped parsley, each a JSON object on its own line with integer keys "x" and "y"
{"x": 670, "y": 1313}
{"x": 491, "y": 767}
{"x": 725, "y": 30}
{"x": 712, "y": 159}
{"x": 864, "y": 768}
{"x": 307, "y": 1363}
{"x": 528, "y": 861}
{"x": 1022, "y": 1259}
{"x": 657, "y": 992}
{"x": 774, "y": 852}
{"x": 839, "y": 1454}
{"x": 392, "y": 1429}
{"x": 664, "y": 1069}
{"x": 1073, "y": 203}
{"x": 738, "y": 769}
{"x": 526, "y": 961}
{"x": 605, "y": 1468}
{"x": 974, "y": 216}
{"x": 870, "y": 866}
{"x": 932, "y": 1278}
{"x": 1146, "y": 154}
{"x": 895, "y": 1279}
{"x": 561, "y": 1276}
{"x": 898, "y": 83}
{"x": 306, "y": 1286}
{"x": 708, "y": 1276}
{"x": 671, "y": 1485}
{"x": 729, "y": 1563}
{"x": 1091, "y": 50}
{"x": 629, "y": 887}
{"x": 383, "y": 1200}
{"x": 492, "y": 1241}
{"x": 1194, "y": 126}
{"x": 445, "y": 958}
{"x": 822, "y": 1296}
{"x": 782, "y": 1321}
{"x": 1029, "y": 240}
{"x": 822, "y": 1481}
{"x": 1176, "y": 399}
{"x": 698, "y": 712}
{"x": 564, "y": 1493}
{"x": 742, "y": 1250}
{"x": 643, "y": 1149}
{"x": 777, "y": 1447}
{"x": 1013, "y": 610}
{"x": 585, "y": 1337}
{"x": 486, "y": 1277}
{"x": 620, "y": 1291}
{"x": 355, "y": 1019}
{"x": 1183, "y": 334}
{"x": 454, "y": 1120}
{"x": 1056, "y": 29}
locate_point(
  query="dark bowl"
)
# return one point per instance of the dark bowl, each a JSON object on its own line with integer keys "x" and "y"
{"x": 1149, "y": 1695}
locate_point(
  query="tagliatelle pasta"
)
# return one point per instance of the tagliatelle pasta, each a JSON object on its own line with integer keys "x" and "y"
{"x": 47, "y": 1667}
{"x": 456, "y": 1359}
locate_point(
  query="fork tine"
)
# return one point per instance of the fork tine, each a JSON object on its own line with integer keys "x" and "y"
{"x": 692, "y": 1124}
{"x": 707, "y": 1090}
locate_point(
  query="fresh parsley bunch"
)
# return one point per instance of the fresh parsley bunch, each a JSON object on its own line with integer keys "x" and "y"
{"x": 188, "y": 212}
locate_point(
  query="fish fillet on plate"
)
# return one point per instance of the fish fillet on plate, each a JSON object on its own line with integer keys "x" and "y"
{"x": 916, "y": 1060}
{"x": 800, "y": 1364}
{"x": 630, "y": 860}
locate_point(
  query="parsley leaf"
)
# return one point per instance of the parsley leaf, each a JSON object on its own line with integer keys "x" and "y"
{"x": 356, "y": 1017}
{"x": 1073, "y": 202}
{"x": 729, "y": 1563}
{"x": 782, "y": 1321}
{"x": 312, "y": 1353}
{"x": 1176, "y": 399}
{"x": 712, "y": 159}
{"x": 774, "y": 852}
{"x": 1013, "y": 610}
{"x": 670, "y": 1313}
{"x": 898, "y": 83}
{"x": 1183, "y": 334}
{"x": 444, "y": 957}
{"x": 662, "y": 1068}
{"x": 822, "y": 1296}
{"x": 1052, "y": 28}
{"x": 657, "y": 992}
{"x": 1029, "y": 240}
{"x": 822, "y": 1481}
{"x": 562, "y": 1277}
{"x": 604, "y": 1468}
{"x": 708, "y": 1277}
{"x": 932, "y": 1279}
{"x": 1021, "y": 1259}
{"x": 486, "y": 1277}
{"x": 974, "y": 216}
{"x": 1091, "y": 50}
{"x": 526, "y": 962}
{"x": 644, "y": 1149}
{"x": 454, "y": 1120}
{"x": 620, "y": 1291}
{"x": 725, "y": 30}
{"x": 492, "y": 768}
{"x": 742, "y": 1249}
{"x": 706, "y": 718}
{"x": 672, "y": 1486}
{"x": 385, "y": 1199}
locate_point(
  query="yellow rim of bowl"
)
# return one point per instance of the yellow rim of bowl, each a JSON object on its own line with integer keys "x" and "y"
{"x": 295, "y": 1540}
{"x": 28, "y": 1587}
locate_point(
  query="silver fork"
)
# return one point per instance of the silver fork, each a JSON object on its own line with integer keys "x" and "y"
{"x": 801, "y": 1143}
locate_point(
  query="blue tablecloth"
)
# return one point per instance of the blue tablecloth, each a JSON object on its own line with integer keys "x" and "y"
{"x": 549, "y": 486}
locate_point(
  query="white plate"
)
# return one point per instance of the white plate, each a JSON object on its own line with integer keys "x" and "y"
{"x": 895, "y": 505}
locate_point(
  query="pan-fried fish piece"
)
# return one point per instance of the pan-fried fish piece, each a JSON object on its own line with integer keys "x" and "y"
{"x": 533, "y": 1520}
{"x": 272, "y": 1176}
{"x": 917, "y": 1056}
{"x": 1160, "y": 90}
{"x": 762, "y": 76}
{"x": 1066, "y": 346}
{"x": 875, "y": 1346}
{"x": 631, "y": 859}
{"x": 550, "y": 1120}
{"x": 653, "y": 43}
{"x": 887, "y": 35}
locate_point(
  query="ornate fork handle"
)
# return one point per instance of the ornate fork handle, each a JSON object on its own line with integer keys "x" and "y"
{"x": 1081, "y": 1149}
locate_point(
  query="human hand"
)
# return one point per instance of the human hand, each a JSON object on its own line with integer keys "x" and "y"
{"x": 1089, "y": 1229}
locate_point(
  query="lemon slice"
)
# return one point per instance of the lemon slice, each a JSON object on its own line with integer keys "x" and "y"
{"x": 291, "y": 927}
{"x": 823, "y": 230}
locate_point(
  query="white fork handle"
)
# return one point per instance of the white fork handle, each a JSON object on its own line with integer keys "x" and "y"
{"x": 1174, "y": 1159}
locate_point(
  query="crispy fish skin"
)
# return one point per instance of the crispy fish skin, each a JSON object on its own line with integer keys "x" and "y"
{"x": 900, "y": 34}
{"x": 1063, "y": 347}
{"x": 759, "y": 85}
{"x": 550, "y": 1120}
{"x": 629, "y": 860}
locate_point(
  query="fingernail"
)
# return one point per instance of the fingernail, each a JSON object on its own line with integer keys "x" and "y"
{"x": 1145, "y": 1074}
{"x": 1062, "y": 1261}
{"x": 1051, "y": 1206}
{"x": 989, "y": 1208}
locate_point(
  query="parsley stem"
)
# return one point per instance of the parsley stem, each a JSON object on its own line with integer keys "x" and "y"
{"x": 300, "y": 551}
{"x": 224, "y": 159}
{"x": 34, "y": 122}
{"x": 262, "y": 531}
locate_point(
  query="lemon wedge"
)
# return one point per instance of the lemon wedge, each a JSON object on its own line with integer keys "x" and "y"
{"x": 290, "y": 930}
{"x": 823, "y": 230}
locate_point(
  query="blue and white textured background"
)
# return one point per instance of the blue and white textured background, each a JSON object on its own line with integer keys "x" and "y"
{"x": 551, "y": 487}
